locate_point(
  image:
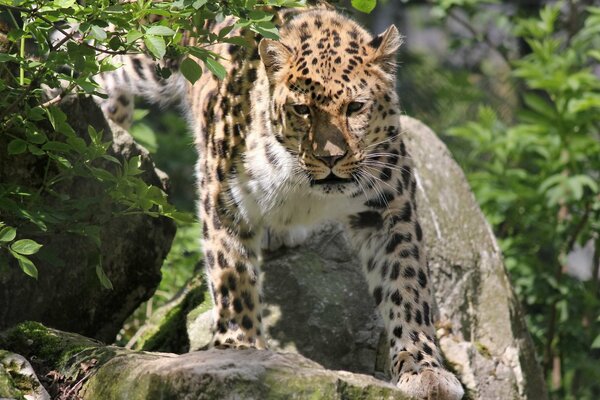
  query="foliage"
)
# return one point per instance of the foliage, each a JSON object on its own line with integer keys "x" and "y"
{"x": 365, "y": 6}
{"x": 19, "y": 249}
{"x": 536, "y": 177}
{"x": 166, "y": 136}
{"x": 39, "y": 129}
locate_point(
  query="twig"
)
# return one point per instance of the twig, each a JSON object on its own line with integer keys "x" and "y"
{"x": 83, "y": 42}
{"x": 578, "y": 228}
{"x": 52, "y": 101}
{"x": 478, "y": 35}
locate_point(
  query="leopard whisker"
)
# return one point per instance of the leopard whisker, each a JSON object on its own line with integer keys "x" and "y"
{"x": 395, "y": 190}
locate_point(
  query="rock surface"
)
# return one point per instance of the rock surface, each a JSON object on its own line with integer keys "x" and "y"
{"x": 96, "y": 372}
{"x": 68, "y": 294}
{"x": 317, "y": 302}
{"x": 18, "y": 379}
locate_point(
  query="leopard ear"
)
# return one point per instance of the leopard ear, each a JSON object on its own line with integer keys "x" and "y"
{"x": 385, "y": 47}
{"x": 274, "y": 55}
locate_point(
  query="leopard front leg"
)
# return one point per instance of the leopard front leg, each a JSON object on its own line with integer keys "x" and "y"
{"x": 389, "y": 238}
{"x": 232, "y": 268}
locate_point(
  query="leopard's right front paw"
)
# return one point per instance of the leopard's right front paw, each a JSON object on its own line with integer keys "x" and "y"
{"x": 238, "y": 342}
{"x": 431, "y": 384}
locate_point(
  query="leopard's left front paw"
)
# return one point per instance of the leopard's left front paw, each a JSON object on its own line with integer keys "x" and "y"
{"x": 431, "y": 384}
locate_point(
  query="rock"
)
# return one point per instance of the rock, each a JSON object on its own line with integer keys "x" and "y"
{"x": 68, "y": 294}
{"x": 115, "y": 373}
{"x": 18, "y": 379}
{"x": 317, "y": 302}
{"x": 481, "y": 327}
{"x": 166, "y": 329}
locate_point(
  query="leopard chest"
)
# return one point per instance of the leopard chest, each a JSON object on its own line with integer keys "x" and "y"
{"x": 280, "y": 203}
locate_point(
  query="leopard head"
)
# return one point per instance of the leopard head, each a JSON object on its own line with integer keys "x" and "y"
{"x": 333, "y": 98}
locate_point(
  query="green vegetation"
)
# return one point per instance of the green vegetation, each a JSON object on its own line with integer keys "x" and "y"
{"x": 36, "y": 127}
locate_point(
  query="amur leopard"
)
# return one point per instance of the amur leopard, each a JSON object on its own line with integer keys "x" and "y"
{"x": 302, "y": 130}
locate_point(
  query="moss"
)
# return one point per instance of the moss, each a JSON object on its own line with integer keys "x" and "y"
{"x": 204, "y": 304}
{"x": 55, "y": 348}
{"x": 282, "y": 386}
{"x": 483, "y": 350}
{"x": 286, "y": 385}
{"x": 170, "y": 331}
{"x": 8, "y": 387}
{"x": 69, "y": 354}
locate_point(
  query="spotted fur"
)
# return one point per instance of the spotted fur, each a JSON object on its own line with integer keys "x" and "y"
{"x": 306, "y": 129}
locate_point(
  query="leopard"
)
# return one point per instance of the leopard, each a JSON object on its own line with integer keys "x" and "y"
{"x": 302, "y": 130}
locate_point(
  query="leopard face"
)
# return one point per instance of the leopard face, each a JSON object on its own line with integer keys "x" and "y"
{"x": 333, "y": 99}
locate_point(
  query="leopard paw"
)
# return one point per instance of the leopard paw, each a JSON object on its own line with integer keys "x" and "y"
{"x": 219, "y": 342}
{"x": 431, "y": 384}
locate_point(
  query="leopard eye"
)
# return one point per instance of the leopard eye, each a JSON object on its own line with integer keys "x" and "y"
{"x": 301, "y": 109}
{"x": 354, "y": 106}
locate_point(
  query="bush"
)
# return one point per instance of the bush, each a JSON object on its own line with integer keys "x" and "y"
{"x": 31, "y": 57}
{"x": 537, "y": 180}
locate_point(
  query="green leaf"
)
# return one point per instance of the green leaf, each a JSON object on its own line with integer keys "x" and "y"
{"x": 191, "y": 70}
{"x": 56, "y": 146}
{"x": 104, "y": 281}
{"x": 238, "y": 40}
{"x": 156, "y": 45}
{"x": 132, "y": 166}
{"x": 26, "y": 247}
{"x": 102, "y": 175}
{"x": 26, "y": 265}
{"x": 64, "y": 3}
{"x": 114, "y": 43}
{"x": 365, "y": 6}
{"x": 111, "y": 159}
{"x": 216, "y": 68}
{"x": 61, "y": 160}
{"x": 7, "y": 234}
{"x": 97, "y": 32}
{"x": 199, "y": 3}
{"x": 33, "y": 149}
{"x": 17, "y": 146}
{"x": 7, "y": 57}
{"x": 133, "y": 35}
{"x": 540, "y": 105}
{"x": 77, "y": 144}
{"x": 56, "y": 117}
{"x": 36, "y": 137}
{"x": 267, "y": 29}
{"x": 160, "y": 30}
{"x": 596, "y": 343}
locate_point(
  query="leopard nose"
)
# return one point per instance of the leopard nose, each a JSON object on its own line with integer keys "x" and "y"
{"x": 330, "y": 160}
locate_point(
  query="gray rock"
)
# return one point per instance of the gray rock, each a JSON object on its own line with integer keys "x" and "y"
{"x": 229, "y": 375}
{"x": 67, "y": 294}
{"x": 18, "y": 379}
{"x": 481, "y": 327}
{"x": 84, "y": 368}
{"x": 317, "y": 302}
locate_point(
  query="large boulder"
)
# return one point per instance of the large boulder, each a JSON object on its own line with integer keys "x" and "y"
{"x": 68, "y": 294}
{"x": 76, "y": 367}
{"x": 317, "y": 302}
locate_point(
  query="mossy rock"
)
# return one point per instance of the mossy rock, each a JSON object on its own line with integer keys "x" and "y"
{"x": 111, "y": 372}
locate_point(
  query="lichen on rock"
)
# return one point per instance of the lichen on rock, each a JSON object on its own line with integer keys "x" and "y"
{"x": 117, "y": 373}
